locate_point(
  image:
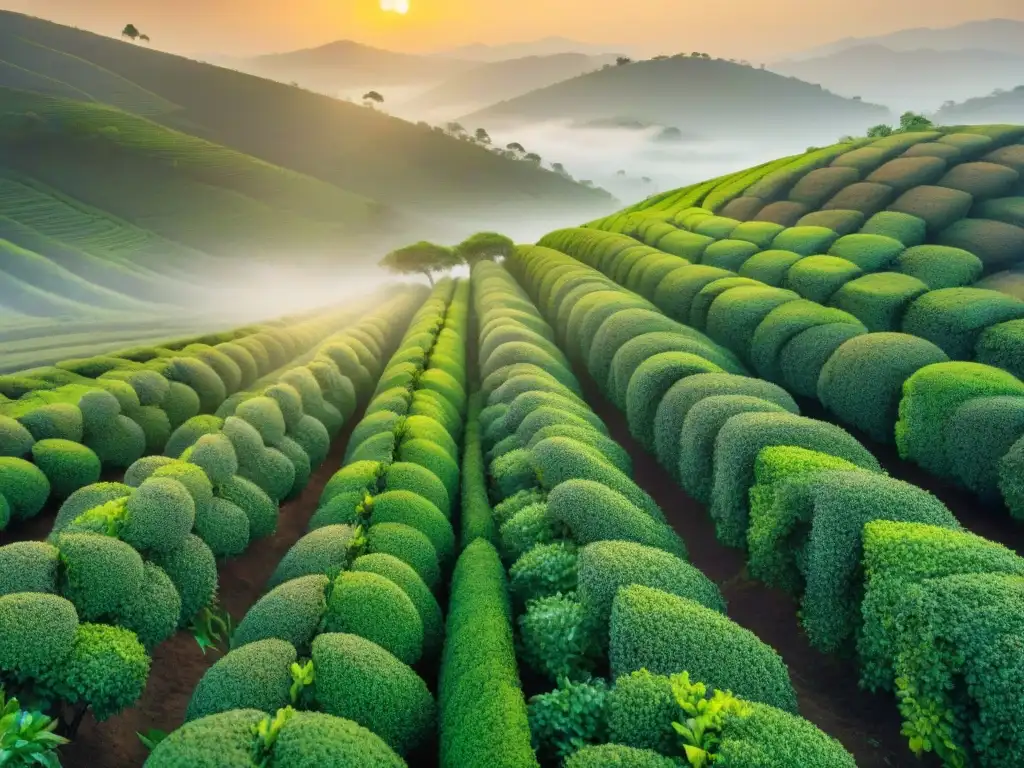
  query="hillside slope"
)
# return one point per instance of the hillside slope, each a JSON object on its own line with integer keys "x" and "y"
{"x": 1005, "y": 107}
{"x": 1005, "y": 35}
{"x": 545, "y": 46}
{"x": 920, "y": 80}
{"x": 712, "y": 97}
{"x": 354, "y": 148}
{"x": 502, "y": 80}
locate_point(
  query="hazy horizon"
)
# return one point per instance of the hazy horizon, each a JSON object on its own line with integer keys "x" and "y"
{"x": 769, "y": 30}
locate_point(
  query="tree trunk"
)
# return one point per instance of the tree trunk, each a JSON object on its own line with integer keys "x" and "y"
{"x": 430, "y": 277}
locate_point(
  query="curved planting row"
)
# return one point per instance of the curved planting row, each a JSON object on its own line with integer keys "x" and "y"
{"x": 322, "y": 666}
{"x": 607, "y": 605}
{"x": 959, "y": 420}
{"x": 878, "y": 565}
{"x": 127, "y": 564}
{"x": 75, "y": 419}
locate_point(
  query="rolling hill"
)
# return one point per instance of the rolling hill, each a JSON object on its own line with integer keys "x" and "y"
{"x": 919, "y": 80}
{"x": 1002, "y": 107}
{"x": 361, "y": 151}
{"x": 503, "y": 80}
{"x": 347, "y": 64}
{"x": 1004, "y": 35}
{"x": 713, "y": 97}
{"x": 545, "y": 46}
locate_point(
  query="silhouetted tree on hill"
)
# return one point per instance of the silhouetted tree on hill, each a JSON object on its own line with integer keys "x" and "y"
{"x": 482, "y": 136}
{"x": 421, "y": 258}
{"x": 515, "y": 146}
{"x": 144, "y": 38}
{"x": 371, "y": 98}
{"x": 622, "y": 61}
{"x": 533, "y": 157}
{"x": 130, "y": 31}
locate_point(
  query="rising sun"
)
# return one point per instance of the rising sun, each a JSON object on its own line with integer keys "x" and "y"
{"x": 395, "y": 6}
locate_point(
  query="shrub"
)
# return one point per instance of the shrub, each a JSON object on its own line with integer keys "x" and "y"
{"x": 610, "y": 451}
{"x": 909, "y": 230}
{"x": 426, "y": 428}
{"x": 839, "y": 221}
{"x": 193, "y": 569}
{"x": 37, "y": 632}
{"x": 68, "y": 466}
{"x": 361, "y": 476}
{"x": 512, "y": 472}
{"x": 784, "y": 324}
{"x": 255, "y": 676}
{"x": 527, "y": 403}
{"x": 15, "y": 440}
{"x": 361, "y": 681}
{"x": 871, "y": 403}
{"x": 621, "y": 328}
{"x": 904, "y": 173}
{"x": 261, "y": 510}
{"x": 106, "y": 670}
{"x": 768, "y": 268}
{"x": 343, "y": 509}
{"x": 153, "y": 611}
{"x": 739, "y": 441}
{"x": 408, "y": 545}
{"x": 410, "y": 582}
{"x": 229, "y": 736}
{"x": 192, "y": 477}
{"x": 301, "y": 463}
{"x": 930, "y": 398}
{"x": 513, "y": 386}
{"x": 665, "y": 634}
{"x": 951, "y": 629}
{"x": 1000, "y": 345}
{"x": 771, "y": 738}
{"x": 289, "y": 402}
{"x": 264, "y": 414}
{"x": 215, "y": 455}
{"x": 900, "y": 554}
{"x": 405, "y": 476}
{"x": 954, "y": 318}
{"x": 159, "y": 515}
{"x": 144, "y": 468}
{"x": 818, "y": 277}
{"x": 99, "y": 573}
{"x": 291, "y": 612}
{"x": 804, "y": 241}
{"x": 119, "y": 444}
{"x": 199, "y": 376}
{"x": 324, "y": 551}
{"x": 543, "y": 571}
{"x": 996, "y": 243}
{"x": 648, "y": 385}
{"x": 57, "y": 421}
{"x": 156, "y": 427}
{"x": 937, "y": 206}
{"x": 84, "y": 499}
{"x": 981, "y": 180}
{"x": 641, "y": 710}
{"x": 594, "y": 512}
{"x": 415, "y": 511}
{"x": 189, "y": 432}
{"x": 527, "y": 528}
{"x": 977, "y": 436}
{"x": 879, "y": 300}
{"x": 803, "y": 357}
{"x": 28, "y": 566}
{"x": 433, "y": 458}
{"x": 676, "y": 292}
{"x": 734, "y": 317}
{"x": 181, "y": 404}
{"x": 569, "y": 718}
{"x": 555, "y": 641}
{"x": 866, "y": 197}
{"x": 558, "y": 459}
{"x": 760, "y": 233}
{"x": 832, "y": 596}
{"x": 819, "y": 185}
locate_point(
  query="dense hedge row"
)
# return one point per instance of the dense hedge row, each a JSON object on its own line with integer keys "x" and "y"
{"x": 600, "y": 582}
{"x": 867, "y": 376}
{"x": 876, "y": 563}
{"x": 351, "y": 606}
{"x": 75, "y": 419}
{"x": 127, "y": 564}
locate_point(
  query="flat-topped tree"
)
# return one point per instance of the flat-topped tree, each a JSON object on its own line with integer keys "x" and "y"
{"x": 484, "y": 246}
{"x": 421, "y": 258}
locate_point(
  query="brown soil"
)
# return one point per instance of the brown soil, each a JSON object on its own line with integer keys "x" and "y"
{"x": 178, "y": 663}
{"x": 868, "y": 725}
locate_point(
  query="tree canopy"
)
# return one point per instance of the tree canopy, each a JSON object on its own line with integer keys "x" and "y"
{"x": 421, "y": 258}
{"x": 483, "y": 246}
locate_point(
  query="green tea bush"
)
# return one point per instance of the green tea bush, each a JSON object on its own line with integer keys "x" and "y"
{"x": 767, "y": 268}
{"x": 676, "y": 292}
{"x": 872, "y": 253}
{"x": 373, "y": 607}
{"x": 819, "y": 277}
{"x": 37, "y": 632}
{"x": 931, "y": 397}
{"x": 361, "y": 681}
{"x": 641, "y": 710}
{"x": 513, "y": 386}
{"x": 804, "y": 240}
{"x": 419, "y": 513}
{"x": 405, "y": 476}
{"x": 685, "y": 394}
{"x": 648, "y": 385}
{"x": 215, "y": 455}
{"x": 410, "y": 582}
{"x": 610, "y": 451}
{"x": 569, "y": 718}
{"x": 152, "y": 613}
{"x": 954, "y": 318}
{"x": 291, "y": 612}
{"x": 159, "y": 515}
{"x": 408, "y": 545}
{"x": 621, "y": 328}
{"x": 28, "y": 566}
{"x": 739, "y": 441}
{"x": 1011, "y": 470}
{"x": 772, "y": 738}
{"x": 264, "y": 414}
{"x": 324, "y": 551}
{"x": 940, "y": 266}
{"x": 1001, "y": 345}
{"x": 261, "y": 510}
{"x": 299, "y": 459}
{"x": 181, "y": 404}
{"x": 879, "y": 300}
{"x": 361, "y": 476}
{"x": 900, "y": 554}
{"x": 188, "y": 433}
{"x": 728, "y": 254}
{"x": 555, "y": 641}
{"x": 198, "y": 375}
{"x": 543, "y": 571}
{"x": 735, "y": 316}
{"x": 155, "y": 425}
{"x": 426, "y": 428}
{"x": 594, "y": 512}
{"x": 68, "y": 466}
{"x": 665, "y": 634}
{"x": 229, "y": 736}
{"x": 909, "y": 230}
{"x": 15, "y": 440}
{"x": 193, "y": 569}
{"x": 803, "y": 357}
{"x": 99, "y": 573}
{"x": 831, "y": 599}
{"x": 254, "y": 676}
{"x": 551, "y": 416}
{"x": 483, "y": 715}
{"x": 708, "y": 294}
{"x": 288, "y": 401}
{"x": 871, "y": 403}
{"x": 433, "y": 458}
{"x": 512, "y": 472}
{"x": 57, "y": 421}
{"x": 526, "y": 529}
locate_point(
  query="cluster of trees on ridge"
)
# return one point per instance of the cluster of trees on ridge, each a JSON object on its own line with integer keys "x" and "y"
{"x": 428, "y": 259}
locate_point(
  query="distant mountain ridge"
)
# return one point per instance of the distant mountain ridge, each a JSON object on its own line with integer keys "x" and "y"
{"x": 920, "y": 79}
{"x": 546, "y": 46}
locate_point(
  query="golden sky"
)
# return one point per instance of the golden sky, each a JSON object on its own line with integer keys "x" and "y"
{"x": 750, "y": 29}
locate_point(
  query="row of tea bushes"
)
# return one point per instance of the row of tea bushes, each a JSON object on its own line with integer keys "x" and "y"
{"x": 873, "y": 561}
{"x": 960, "y": 420}
{"x": 126, "y": 565}
{"x": 600, "y": 585}
{"x": 351, "y": 607}
{"x": 73, "y": 420}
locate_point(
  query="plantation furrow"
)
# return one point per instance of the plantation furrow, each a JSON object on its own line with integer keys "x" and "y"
{"x": 876, "y": 564}
{"x": 127, "y": 564}
{"x": 609, "y": 611}
{"x": 346, "y": 639}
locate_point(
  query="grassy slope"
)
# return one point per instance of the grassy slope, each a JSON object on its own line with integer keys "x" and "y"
{"x": 715, "y": 97}
{"x": 354, "y": 148}
{"x": 997, "y": 108}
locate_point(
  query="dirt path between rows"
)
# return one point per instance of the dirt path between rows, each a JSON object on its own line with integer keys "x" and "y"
{"x": 178, "y": 663}
{"x": 868, "y": 725}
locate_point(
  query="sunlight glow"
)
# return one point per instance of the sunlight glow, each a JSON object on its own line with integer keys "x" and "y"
{"x": 395, "y": 6}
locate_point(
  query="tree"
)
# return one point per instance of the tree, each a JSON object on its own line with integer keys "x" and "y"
{"x": 484, "y": 246}
{"x": 454, "y": 129}
{"x": 622, "y": 61}
{"x": 130, "y": 31}
{"x": 482, "y": 136}
{"x": 516, "y": 147}
{"x": 879, "y": 131}
{"x": 911, "y": 122}
{"x": 144, "y": 38}
{"x": 371, "y": 98}
{"x": 559, "y": 169}
{"x": 420, "y": 258}
{"x": 533, "y": 157}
